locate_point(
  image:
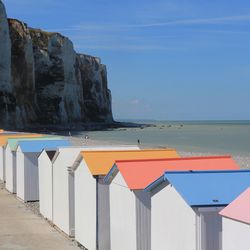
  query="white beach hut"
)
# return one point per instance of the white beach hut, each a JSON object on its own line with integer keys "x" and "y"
{"x": 3, "y": 141}
{"x": 92, "y": 222}
{"x": 45, "y": 182}
{"x": 2, "y": 157}
{"x": 236, "y": 223}
{"x": 10, "y": 160}
{"x": 27, "y": 166}
{"x": 65, "y": 156}
{"x": 2, "y": 163}
{"x": 62, "y": 190}
{"x": 130, "y": 205}
{"x": 186, "y": 205}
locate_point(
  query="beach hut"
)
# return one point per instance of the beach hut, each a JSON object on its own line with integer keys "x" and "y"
{"x": 62, "y": 190}
{"x": 45, "y": 182}
{"x": 10, "y": 161}
{"x": 2, "y": 154}
{"x": 92, "y": 222}
{"x": 130, "y": 205}
{"x": 236, "y": 223}
{"x": 10, "y": 158}
{"x": 27, "y": 181}
{"x": 186, "y": 206}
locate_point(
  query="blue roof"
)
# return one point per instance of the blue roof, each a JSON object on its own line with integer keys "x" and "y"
{"x": 38, "y": 146}
{"x": 209, "y": 188}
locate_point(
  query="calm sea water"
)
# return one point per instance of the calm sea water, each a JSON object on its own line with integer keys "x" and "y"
{"x": 232, "y": 137}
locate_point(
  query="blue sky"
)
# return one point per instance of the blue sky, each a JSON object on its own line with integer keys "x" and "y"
{"x": 169, "y": 60}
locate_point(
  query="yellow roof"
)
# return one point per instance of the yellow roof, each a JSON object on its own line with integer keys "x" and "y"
{"x": 100, "y": 162}
{"x": 4, "y": 138}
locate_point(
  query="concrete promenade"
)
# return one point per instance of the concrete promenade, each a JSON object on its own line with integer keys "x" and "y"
{"x": 21, "y": 229}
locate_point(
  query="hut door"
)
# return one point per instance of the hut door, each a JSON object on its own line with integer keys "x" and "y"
{"x": 211, "y": 227}
{"x": 14, "y": 171}
{"x": 71, "y": 203}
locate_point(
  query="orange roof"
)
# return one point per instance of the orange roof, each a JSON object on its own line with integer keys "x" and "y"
{"x": 4, "y": 138}
{"x": 100, "y": 162}
{"x": 139, "y": 174}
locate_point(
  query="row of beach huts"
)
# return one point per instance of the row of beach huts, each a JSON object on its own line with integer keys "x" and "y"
{"x": 127, "y": 198}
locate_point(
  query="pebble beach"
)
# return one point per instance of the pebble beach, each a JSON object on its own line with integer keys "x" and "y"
{"x": 243, "y": 161}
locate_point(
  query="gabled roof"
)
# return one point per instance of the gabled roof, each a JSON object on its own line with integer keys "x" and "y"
{"x": 139, "y": 174}
{"x": 78, "y": 149}
{"x": 39, "y": 145}
{"x": 4, "y": 138}
{"x": 14, "y": 142}
{"x": 239, "y": 209}
{"x": 100, "y": 162}
{"x": 72, "y": 149}
{"x": 4, "y": 132}
{"x": 208, "y": 188}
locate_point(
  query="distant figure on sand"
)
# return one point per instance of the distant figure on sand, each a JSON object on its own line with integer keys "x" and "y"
{"x": 86, "y": 137}
{"x": 138, "y": 141}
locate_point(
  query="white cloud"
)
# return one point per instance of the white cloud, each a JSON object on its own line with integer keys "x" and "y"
{"x": 134, "y": 102}
{"x": 212, "y": 20}
{"x": 197, "y": 21}
{"x": 127, "y": 47}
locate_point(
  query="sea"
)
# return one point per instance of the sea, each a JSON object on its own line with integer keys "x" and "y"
{"x": 217, "y": 137}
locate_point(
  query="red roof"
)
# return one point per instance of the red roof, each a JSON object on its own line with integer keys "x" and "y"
{"x": 138, "y": 174}
{"x": 239, "y": 208}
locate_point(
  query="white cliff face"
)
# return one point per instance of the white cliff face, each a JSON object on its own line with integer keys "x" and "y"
{"x": 5, "y": 51}
{"x": 48, "y": 83}
{"x": 73, "y": 86}
{"x": 22, "y": 72}
{"x": 96, "y": 95}
{"x": 72, "y": 95}
{"x": 57, "y": 83}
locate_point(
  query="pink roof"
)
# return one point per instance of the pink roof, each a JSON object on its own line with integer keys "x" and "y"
{"x": 138, "y": 174}
{"x": 239, "y": 209}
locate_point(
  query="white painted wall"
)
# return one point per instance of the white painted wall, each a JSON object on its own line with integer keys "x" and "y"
{"x": 45, "y": 185}
{"x": 20, "y": 173}
{"x": 235, "y": 235}
{"x": 10, "y": 170}
{"x": 61, "y": 189}
{"x": 173, "y": 222}
{"x": 122, "y": 215}
{"x": 60, "y": 209}
{"x": 2, "y": 164}
{"x": 85, "y": 207}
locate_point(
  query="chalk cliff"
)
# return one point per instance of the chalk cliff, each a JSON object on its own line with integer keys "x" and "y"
{"x": 44, "y": 82}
